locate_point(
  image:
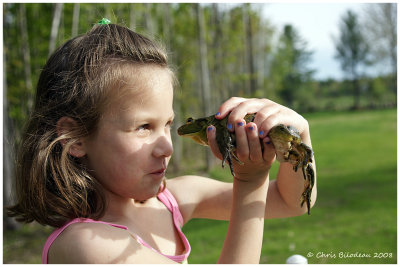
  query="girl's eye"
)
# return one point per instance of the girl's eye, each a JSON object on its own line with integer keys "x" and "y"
{"x": 143, "y": 127}
{"x": 169, "y": 123}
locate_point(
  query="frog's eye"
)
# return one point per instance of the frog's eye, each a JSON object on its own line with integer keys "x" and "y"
{"x": 189, "y": 120}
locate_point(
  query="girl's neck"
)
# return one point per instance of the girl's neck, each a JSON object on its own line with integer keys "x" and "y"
{"x": 119, "y": 208}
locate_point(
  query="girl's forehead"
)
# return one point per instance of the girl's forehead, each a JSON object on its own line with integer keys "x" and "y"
{"x": 141, "y": 86}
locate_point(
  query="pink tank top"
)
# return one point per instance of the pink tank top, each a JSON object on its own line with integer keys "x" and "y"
{"x": 165, "y": 197}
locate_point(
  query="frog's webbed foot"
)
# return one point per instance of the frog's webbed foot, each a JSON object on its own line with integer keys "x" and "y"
{"x": 227, "y": 156}
{"x": 227, "y": 148}
{"x": 310, "y": 179}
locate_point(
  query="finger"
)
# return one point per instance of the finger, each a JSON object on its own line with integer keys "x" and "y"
{"x": 228, "y": 105}
{"x": 242, "y": 147}
{"x": 246, "y": 107}
{"x": 212, "y": 142}
{"x": 271, "y": 121}
{"x": 253, "y": 140}
{"x": 269, "y": 151}
{"x": 265, "y": 118}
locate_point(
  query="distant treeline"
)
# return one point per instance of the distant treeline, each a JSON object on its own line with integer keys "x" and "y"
{"x": 218, "y": 50}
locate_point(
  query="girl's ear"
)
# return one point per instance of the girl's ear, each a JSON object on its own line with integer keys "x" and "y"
{"x": 64, "y": 126}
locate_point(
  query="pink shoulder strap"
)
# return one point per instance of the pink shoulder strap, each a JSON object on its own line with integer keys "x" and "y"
{"x": 170, "y": 202}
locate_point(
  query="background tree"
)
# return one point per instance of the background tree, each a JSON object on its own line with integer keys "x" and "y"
{"x": 289, "y": 67}
{"x": 352, "y": 51}
{"x": 381, "y": 29}
{"x": 204, "y": 71}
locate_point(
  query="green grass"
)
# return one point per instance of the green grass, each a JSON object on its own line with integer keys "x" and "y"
{"x": 355, "y": 210}
{"x": 25, "y": 244}
{"x": 356, "y": 206}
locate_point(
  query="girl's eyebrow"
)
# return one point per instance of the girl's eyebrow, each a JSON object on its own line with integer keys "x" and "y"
{"x": 148, "y": 117}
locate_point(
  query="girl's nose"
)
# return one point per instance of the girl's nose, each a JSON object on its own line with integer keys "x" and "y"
{"x": 163, "y": 147}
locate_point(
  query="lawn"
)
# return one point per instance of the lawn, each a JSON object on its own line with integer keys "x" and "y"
{"x": 354, "y": 220}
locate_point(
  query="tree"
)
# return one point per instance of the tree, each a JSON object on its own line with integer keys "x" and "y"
{"x": 55, "y": 26}
{"x": 75, "y": 20}
{"x": 381, "y": 29}
{"x": 204, "y": 71}
{"x": 352, "y": 51}
{"x": 289, "y": 66}
{"x": 8, "y": 154}
{"x": 249, "y": 50}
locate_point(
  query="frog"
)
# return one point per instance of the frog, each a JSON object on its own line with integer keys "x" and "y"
{"x": 226, "y": 141}
{"x": 285, "y": 138}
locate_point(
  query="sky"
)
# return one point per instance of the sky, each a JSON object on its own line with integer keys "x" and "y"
{"x": 317, "y": 24}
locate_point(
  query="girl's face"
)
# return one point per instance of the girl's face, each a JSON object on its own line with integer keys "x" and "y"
{"x": 131, "y": 149}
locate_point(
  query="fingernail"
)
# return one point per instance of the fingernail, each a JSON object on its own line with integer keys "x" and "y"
{"x": 261, "y": 133}
{"x": 209, "y": 128}
{"x": 218, "y": 113}
{"x": 230, "y": 126}
{"x": 251, "y": 128}
{"x": 240, "y": 123}
{"x": 268, "y": 142}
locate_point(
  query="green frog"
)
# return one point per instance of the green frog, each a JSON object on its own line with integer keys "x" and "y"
{"x": 286, "y": 140}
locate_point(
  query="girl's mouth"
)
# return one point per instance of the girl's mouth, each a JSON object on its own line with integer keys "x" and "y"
{"x": 160, "y": 173}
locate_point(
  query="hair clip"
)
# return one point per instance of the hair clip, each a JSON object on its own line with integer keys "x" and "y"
{"x": 104, "y": 21}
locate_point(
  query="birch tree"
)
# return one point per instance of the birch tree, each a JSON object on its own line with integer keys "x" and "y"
{"x": 55, "y": 26}
{"x": 204, "y": 72}
{"x": 75, "y": 20}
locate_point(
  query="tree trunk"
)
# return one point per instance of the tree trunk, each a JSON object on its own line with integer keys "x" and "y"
{"x": 176, "y": 139}
{"x": 357, "y": 94}
{"x": 148, "y": 18}
{"x": 204, "y": 73}
{"x": 221, "y": 92}
{"x": 27, "y": 60}
{"x": 249, "y": 53}
{"x": 8, "y": 158}
{"x": 55, "y": 26}
{"x": 75, "y": 20}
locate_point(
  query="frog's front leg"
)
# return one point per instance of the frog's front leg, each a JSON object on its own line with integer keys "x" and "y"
{"x": 226, "y": 147}
{"x": 294, "y": 159}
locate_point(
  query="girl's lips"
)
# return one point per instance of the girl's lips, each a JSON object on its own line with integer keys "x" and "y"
{"x": 159, "y": 173}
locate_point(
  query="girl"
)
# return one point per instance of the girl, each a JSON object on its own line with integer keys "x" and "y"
{"x": 93, "y": 160}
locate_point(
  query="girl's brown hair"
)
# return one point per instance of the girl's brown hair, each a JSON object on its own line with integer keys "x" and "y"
{"x": 53, "y": 187}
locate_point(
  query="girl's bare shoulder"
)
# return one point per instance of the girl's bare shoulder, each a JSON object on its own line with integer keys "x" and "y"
{"x": 99, "y": 243}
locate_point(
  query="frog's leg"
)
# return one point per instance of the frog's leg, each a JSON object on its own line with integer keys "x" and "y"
{"x": 225, "y": 145}
{"x": 307, "y": 151}
{"x": 305, "y": 157}
{"x": 294, "y": 159}
{"x": 306, "y": 196}
{"x": 310, "y": 175}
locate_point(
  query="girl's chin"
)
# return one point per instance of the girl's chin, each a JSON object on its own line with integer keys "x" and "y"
{"x": 160, "y": 189}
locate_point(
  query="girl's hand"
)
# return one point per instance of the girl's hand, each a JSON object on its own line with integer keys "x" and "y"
{"x": 268, "y": 115}
{"x": 256, "y": 163}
